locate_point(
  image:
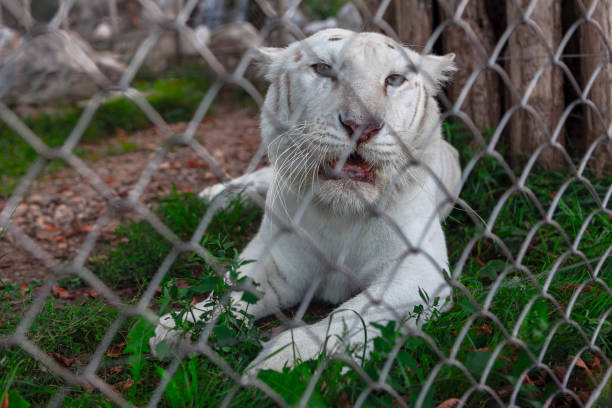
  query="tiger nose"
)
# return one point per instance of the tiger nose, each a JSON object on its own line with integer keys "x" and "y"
{"x": 366, "y": 130}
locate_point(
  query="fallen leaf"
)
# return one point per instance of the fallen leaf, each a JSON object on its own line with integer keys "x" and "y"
{"x": 116, "y": 369}
{"x": 596, "y": 363}
{"x": 196, "y": 164}
{"x": 94, "y": 294}
{"x": 116, "y": 350}
{"x": 63, "y": 360}
{"x": 182, "y": 284}
{"x": 87, "y": 387}
{"x": 450, "y": 403}
{"x": 580, "y": 363}
{"x": 61, "y": 292}
{"x": 124, "y": 385}
{"x": 85, "y": 228}
{"x": 483, "y": 329}
{"x": 344, "y": 401}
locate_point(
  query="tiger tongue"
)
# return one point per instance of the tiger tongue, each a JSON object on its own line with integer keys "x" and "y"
{"x": 354, "y": 170}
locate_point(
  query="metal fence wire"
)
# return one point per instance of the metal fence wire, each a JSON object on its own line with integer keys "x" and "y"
{"x": 278, "y": 15}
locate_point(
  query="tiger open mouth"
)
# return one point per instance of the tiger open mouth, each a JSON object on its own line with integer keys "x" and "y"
{"x": 354, "y": 168}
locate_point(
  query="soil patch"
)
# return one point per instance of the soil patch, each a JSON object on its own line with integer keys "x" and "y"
{"x": 61, "y": 208}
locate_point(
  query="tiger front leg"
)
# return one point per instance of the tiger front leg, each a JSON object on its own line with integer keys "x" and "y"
{"x": 274, "y": 292}
{"x": 349, "y": 326}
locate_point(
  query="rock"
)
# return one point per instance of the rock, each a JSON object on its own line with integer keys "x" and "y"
{"x": 52, "y": 67}
{"x": 233, "y": 36}
{"x": 350, "y": 18}
{"x": 63, "y": 214}
{"x": 103, "y": 32}
{"x": 229, "y": 43}
{"x": 202, "y": 35}
{"x": 319, "y": 25}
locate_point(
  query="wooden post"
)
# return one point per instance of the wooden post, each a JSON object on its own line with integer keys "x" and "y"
{"x": 483, "y": 101}
{"x": 413, "y": 22}
{"x": 595, "y": 45}
{"x": 112, "y": 13}
{"x": 526, "y": 55}
{"x": 27, "y": 14}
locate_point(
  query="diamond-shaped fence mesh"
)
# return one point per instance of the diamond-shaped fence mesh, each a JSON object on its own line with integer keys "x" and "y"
{"x": 527, "y": 260}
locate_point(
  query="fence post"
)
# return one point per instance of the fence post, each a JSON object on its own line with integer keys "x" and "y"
{"x": 527, "y": 54}
{"x": 483, "y": 102}
{"x": 595, "y": 45}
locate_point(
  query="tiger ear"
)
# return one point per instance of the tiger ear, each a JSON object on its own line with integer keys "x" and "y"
{"x": 438, "y": 70}
{"x": 268, "y": 59}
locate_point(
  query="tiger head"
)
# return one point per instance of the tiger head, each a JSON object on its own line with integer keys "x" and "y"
{"x": 347, "y": 114}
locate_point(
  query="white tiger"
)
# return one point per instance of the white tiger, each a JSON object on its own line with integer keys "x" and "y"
{"x": 353, "y": 131}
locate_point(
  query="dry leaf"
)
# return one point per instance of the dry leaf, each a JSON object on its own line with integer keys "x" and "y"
{"x": 344, "y": 401}
{"x": 85, "y": 228}
{"x": 596, "y": 363}
{"x": 483, "y": 329}
{"x": 450, "y": 403}
{"x": 116, "y": 369}
{"x": 62, "y": 360}
{"x": 94, "y": 294}
{"x": 580, "y": 363}
{"x": 196, "y": 164}
{"x": 61, "y": 292}
{"x": 124, "y": 385}
{"x": 116, "y": 350}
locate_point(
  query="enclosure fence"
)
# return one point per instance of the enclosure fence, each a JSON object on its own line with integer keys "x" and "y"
{"x": 279, "y": 17}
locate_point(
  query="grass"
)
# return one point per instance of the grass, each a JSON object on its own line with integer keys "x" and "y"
{"x": 323, "y": 9}
{"x": 175, "y": 98}
{"x": 73, "y": 329}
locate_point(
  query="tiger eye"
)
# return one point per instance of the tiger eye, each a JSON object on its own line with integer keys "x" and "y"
{"x": 323, "y": 69}
{"x": 395, "y": 80}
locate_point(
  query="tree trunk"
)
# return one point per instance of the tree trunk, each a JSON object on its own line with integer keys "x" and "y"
{"x": 413, "y": 22}
{"x": 595, "y": 45}
{"x": 527, "y": 53}
{"x": 483, "y": 101}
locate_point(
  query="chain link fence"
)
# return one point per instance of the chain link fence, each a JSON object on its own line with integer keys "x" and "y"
{"x": 525, "y": 333}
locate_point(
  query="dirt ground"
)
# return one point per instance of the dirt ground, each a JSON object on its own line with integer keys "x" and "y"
{"x": 61, "y": 208}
